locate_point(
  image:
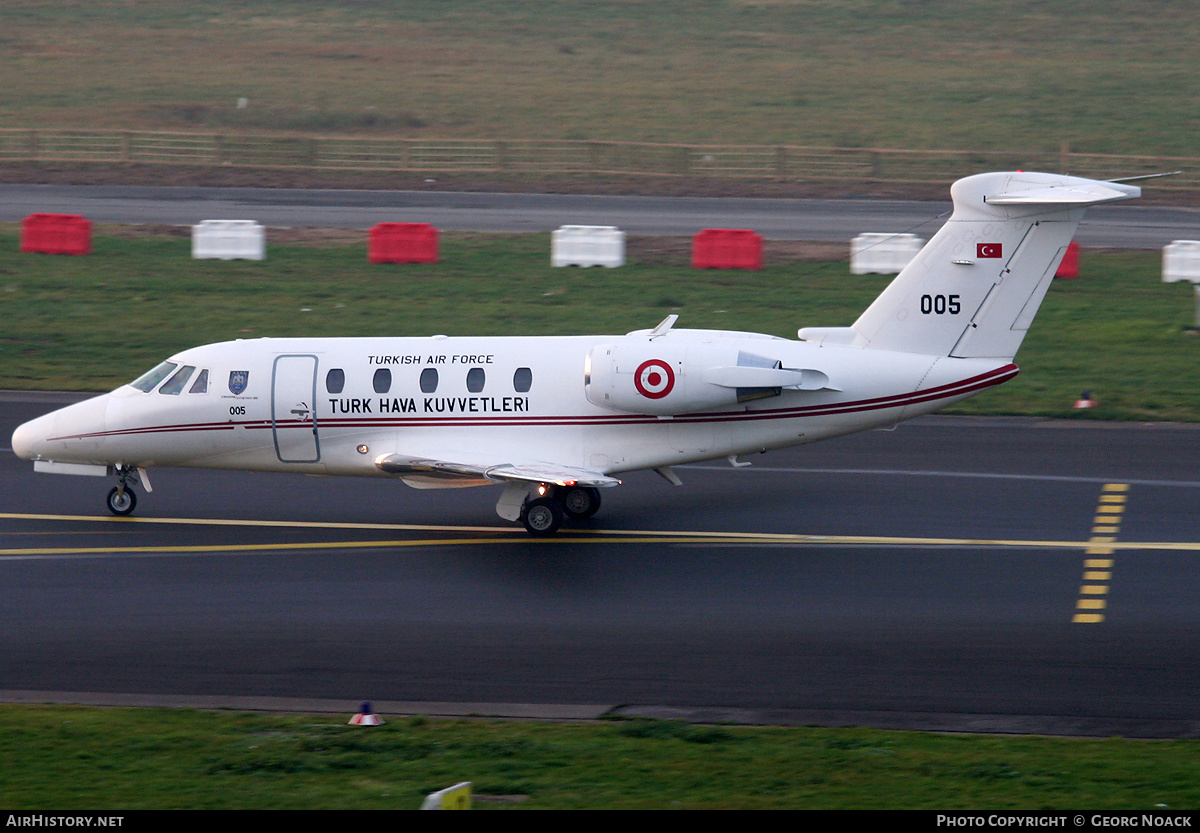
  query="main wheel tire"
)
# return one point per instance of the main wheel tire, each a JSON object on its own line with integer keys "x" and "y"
{"x": 542, "y": 516}
{"x": 581, "y": 502}
{"x": 121, "y": 501}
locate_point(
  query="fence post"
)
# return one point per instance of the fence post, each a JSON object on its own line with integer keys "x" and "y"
{"x": 684, "y": 160}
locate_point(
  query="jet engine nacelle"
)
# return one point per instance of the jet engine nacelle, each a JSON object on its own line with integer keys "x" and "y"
{"x": 658, "y": 376}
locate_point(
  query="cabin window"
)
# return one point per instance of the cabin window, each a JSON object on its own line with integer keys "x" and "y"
{"x": 429, "y": 380}
{"x": 147, "y": 381}
{"x": 201, "y": 383}
{"x": 522, "y": 380}
{"x": 475, "y": 379}
{"x": 174, "y": 385}
{"x": 382, "y": 381}
{"x": 335, "y": 380}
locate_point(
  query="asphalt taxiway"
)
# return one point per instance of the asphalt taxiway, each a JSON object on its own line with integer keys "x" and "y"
{"x": 1012, "y": 575}
{"x": 1114, "y": 226}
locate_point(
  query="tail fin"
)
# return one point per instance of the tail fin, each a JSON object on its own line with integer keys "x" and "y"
{"x": 973, "y": 290}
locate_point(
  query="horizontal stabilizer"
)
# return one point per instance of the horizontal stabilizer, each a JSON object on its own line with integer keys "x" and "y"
{"x": 1018, "y": 191}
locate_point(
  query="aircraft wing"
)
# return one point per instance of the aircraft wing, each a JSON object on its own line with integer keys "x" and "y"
{"x": 482, "y": 472}
{"x": 548, "y": 473}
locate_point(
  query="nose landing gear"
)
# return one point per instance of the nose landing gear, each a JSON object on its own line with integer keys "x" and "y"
{"x": 122, "y": 500}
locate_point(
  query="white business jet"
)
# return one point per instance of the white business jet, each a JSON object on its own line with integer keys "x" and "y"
{"x": 555, "y": 419}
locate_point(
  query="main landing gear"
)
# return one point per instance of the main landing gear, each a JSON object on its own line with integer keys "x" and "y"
{"x": 122, "y": 500}
{"x": 544, "y": 514}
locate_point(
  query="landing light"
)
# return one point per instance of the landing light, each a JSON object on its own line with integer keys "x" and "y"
{"x": 362, "y": 449}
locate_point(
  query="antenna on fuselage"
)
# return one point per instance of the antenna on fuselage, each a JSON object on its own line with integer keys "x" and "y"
{"x": 664, "y": 326}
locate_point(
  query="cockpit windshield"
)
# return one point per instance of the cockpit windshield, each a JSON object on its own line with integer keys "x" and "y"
{"x": 146, "y": 382}
{"x": 174, "y": 385}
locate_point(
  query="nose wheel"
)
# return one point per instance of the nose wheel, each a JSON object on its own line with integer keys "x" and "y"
{"x": 122, "y": 500}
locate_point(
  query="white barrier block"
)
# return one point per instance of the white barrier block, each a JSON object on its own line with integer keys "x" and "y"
{"x": 883, "y": 254}
{"x": 587, "y": 246}
{"x": 229, "y": 240}
{"x": 1181, "y": 261}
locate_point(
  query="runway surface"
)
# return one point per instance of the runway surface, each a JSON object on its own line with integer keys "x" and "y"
{"x": 1009, "y": 575}
{"x": 1116, "y": 226}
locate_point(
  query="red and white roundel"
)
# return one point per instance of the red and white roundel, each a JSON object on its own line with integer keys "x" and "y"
{"x": 654, "y": 379}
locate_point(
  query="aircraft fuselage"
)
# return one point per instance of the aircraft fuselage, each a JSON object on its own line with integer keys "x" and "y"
{"x": 334, "y": 405}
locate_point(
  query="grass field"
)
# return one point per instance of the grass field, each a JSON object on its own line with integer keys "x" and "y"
{"x": 92, "y": 323}
{"x": 1104, "y": 76}
{"x": 127, "y": 759}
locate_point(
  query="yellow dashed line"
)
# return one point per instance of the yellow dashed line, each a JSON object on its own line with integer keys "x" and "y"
{"x": 1105, "y": 527}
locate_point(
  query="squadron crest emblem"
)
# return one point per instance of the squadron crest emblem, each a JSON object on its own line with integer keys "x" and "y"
{"x": 238, "y": 379}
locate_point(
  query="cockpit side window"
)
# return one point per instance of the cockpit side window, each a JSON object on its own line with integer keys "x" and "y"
{"x": 147, "y": 381}
{"x": 174, "y": 385}
{"x": 201, "y": 383}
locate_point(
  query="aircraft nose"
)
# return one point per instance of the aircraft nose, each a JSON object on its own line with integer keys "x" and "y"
{"x": 29, "y": 436}
{"x": 66, "y": 435}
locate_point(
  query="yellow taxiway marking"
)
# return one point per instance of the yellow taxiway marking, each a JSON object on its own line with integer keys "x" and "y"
{"x": 235, "y": 522}
{"x": 1105, "y": 527}
{"x": 507, "y": 534}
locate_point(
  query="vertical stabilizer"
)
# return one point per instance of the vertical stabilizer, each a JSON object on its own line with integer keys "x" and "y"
{"x": 974, "y": 288}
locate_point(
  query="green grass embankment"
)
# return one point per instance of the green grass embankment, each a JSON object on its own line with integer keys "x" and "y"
{"x": 95, "y": 322}
{"x": 63, "y": 758}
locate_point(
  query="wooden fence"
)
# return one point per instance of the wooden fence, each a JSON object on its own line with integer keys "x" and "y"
{"x": 782, "y": 162}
